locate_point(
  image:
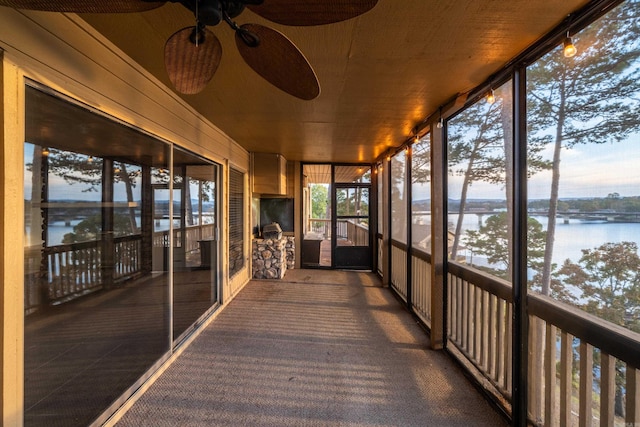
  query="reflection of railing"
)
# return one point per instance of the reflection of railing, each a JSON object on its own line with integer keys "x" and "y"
{"x": 561, "y": 375}
{"x": 73, "y": 270}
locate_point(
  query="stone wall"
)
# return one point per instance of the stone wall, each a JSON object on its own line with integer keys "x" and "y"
{"x": 271, "y": 257}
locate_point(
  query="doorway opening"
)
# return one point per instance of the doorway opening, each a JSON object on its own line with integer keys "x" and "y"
{"x": 336, "y": 216}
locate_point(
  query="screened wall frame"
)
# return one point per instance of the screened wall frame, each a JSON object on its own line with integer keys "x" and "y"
{"x": 517, "y": 296}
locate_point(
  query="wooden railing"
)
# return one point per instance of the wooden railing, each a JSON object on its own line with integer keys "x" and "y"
{"x": 582, "y": 369}
{"x": 320, "y": 226}
{"x": 421, "y": 285}
{"x": 479, "y": 322}
{"x": 399, "y": 268}
{"x": 357, "y": 234}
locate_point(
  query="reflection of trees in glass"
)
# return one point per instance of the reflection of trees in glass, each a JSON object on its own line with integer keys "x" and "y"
{"x": 588, "y": 99}
{"x": 76, "y": 168}
{"x": 90, "y": 228}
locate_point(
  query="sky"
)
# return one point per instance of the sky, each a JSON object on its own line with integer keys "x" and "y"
{"x": 596, "y": 170}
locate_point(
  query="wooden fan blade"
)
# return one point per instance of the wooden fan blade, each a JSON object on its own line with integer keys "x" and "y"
{"x": 191, "y": 66}
{"x": 84, "y": 6}
{"x": 279, "y": 61}
{"x": 311, "y": 12}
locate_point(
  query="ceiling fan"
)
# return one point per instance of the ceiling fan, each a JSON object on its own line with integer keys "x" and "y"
{"x": 192, "y": 54}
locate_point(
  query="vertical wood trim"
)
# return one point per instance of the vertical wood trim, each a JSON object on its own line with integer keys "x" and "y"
{"x": 11, "y": 236}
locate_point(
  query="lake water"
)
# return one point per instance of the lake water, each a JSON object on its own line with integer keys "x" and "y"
{"x": 571, "y": 238}
{"x": 58, "y": 229}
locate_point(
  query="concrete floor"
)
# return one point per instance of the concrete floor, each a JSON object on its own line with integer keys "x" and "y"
{"x": 319, "y": 348}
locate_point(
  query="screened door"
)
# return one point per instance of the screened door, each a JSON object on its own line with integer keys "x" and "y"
{"x": 351, "y": 238}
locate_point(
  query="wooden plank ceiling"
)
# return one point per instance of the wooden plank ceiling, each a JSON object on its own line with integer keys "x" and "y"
{"x": 380, "y": 73}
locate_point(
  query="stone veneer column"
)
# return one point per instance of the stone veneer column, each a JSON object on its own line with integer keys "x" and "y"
{"x": 272, "y": 257}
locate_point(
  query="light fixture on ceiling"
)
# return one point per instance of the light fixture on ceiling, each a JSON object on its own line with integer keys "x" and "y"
{"x": 90, "y": 159}
{"x": 491, "y": 97}
{"x": 569, "y": 49}
{"x": 45, "y": 151}
{"x": 117, "y": 169}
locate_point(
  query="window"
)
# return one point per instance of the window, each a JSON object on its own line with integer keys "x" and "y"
{"x": 236, "y": 221}
{"x": 399, "y": 197}
{"x": 101, "y": 223}
{"x": 421, "y": 194}
{"x": 90, "y": 294}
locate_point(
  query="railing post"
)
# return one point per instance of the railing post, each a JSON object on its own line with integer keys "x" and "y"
{"x": 108, "y": 248}
{"x": 146, "y": 221}
{"x": 632, "y": 417}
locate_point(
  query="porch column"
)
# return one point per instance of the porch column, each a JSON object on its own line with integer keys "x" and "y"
{"x": 439, "y": 241}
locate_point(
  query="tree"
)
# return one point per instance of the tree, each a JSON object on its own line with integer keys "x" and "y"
{"x": 492, "y": 240}
{"x": 90, "y": 228}
{"x": 480, "y": 149}
{"x": 586, "y": 99}
{"x": 476, "y": 153}
{"x": 319, "y": 201}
